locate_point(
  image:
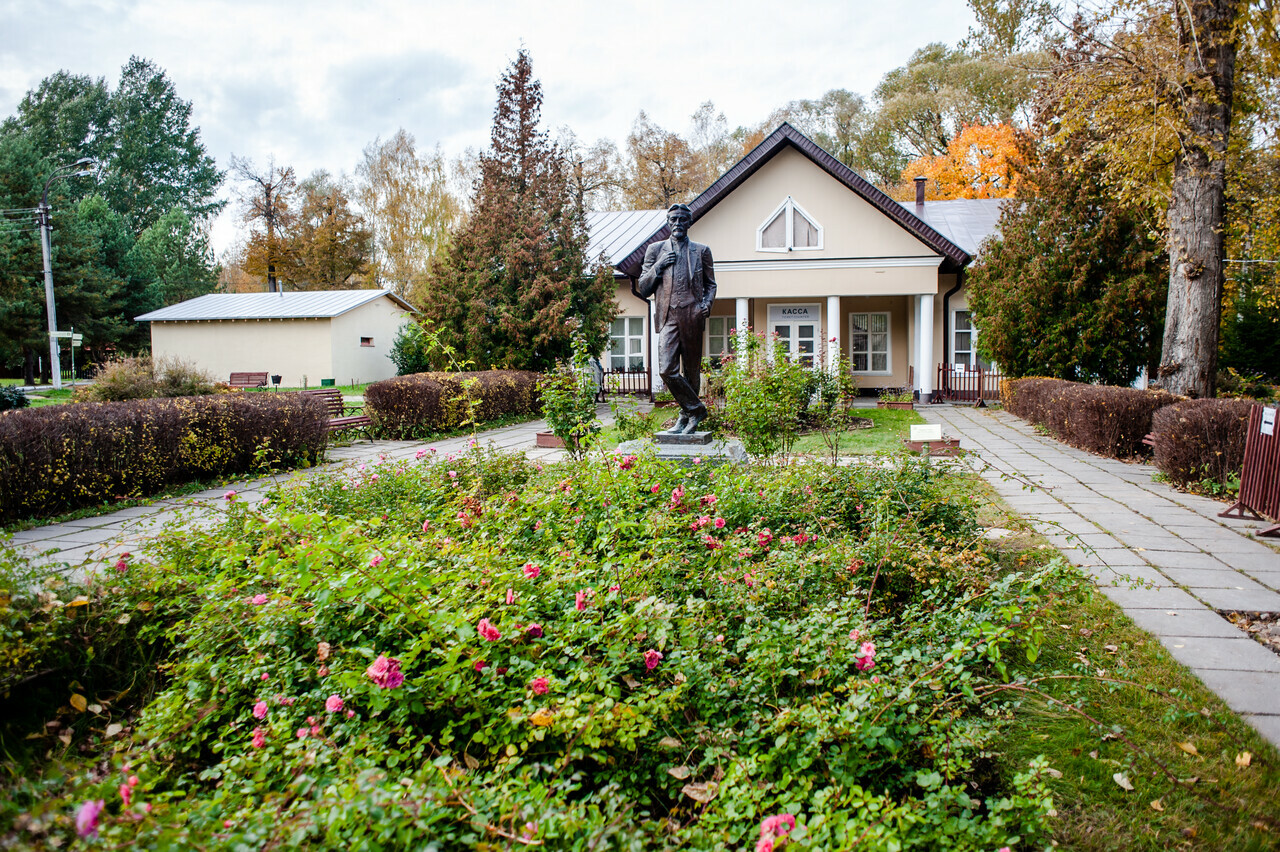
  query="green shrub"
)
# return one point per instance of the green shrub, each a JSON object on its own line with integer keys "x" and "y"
{"x": 569, "y": 402}
{"x": 765, "y": 398}
{"x": 12, "y": 397}
{"x": 64, "y": 457}
{"x": 139, "y": 378}
{"x": 1200, "y": 442}
{"x": 427, "y": 404}
{"x": 412, "y": 350}
{"x": 584, "y": 663}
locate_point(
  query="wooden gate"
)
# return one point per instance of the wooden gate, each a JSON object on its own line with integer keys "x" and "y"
{"x": 1260, "y": 478}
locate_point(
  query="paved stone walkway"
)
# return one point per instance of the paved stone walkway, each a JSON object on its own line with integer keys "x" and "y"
{"x": 89, "y": 542}
{"x": 1110, "y": 518}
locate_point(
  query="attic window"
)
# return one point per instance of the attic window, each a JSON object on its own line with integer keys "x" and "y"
{"x": 366, "y": 341}
{"x": 789, "y": 228}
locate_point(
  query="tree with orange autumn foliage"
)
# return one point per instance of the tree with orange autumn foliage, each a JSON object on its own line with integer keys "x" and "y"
{"x": 982, "y": 161}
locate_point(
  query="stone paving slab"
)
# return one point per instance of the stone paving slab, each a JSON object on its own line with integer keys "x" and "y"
{"x": 1183, "y": 562}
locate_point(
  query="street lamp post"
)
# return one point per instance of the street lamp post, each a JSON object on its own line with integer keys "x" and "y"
{"x": 80, "y": 168}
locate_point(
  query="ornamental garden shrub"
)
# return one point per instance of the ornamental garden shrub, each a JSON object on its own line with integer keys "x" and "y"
{"x": 1109, "y": 421}
{"x": 766, "y": 395}
{"x": 426, "y": 404}
{"x": 568, "y": 396}
{"x": 12, "y": 397}
{"x": 471, "y": 651}
{"x": 63, "y": 457}
{"x": 1200, "y": 442}
{"x": 139, "y": 378}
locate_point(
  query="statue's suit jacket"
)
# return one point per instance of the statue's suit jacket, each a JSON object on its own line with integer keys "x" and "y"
{"x": 702, "y": 277}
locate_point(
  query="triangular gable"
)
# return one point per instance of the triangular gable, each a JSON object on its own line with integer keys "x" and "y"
{"x": 787, "y": 136}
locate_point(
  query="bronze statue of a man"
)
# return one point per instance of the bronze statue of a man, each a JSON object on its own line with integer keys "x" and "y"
{"x": 682, "y": 275}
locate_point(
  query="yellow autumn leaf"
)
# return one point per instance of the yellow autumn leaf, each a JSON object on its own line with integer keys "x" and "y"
{"x": 1157, "y": 805}
{"x": 542, "y": 718}
{"x": 1122, "y": 780}
{"x": 1243, "y": 759}
{"x": 79, "y": 702}
{"x": 1189, "y": 748}
{"x": 80, "y": 600}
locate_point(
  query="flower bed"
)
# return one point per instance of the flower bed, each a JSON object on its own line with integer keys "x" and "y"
{"x": 472, "y": 650}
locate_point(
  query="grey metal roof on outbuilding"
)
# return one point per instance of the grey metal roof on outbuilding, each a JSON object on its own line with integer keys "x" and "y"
{"x": 314, "y": 304}
{"x": 966, "y": 222}
{"x": 616, "y": 233}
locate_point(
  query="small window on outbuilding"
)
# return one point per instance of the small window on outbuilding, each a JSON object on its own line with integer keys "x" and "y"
{"x": 789, "y": 228}
{"x": 366, "y": 341}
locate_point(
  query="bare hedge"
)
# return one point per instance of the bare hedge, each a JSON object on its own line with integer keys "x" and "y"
{"x": 426, "y": 404}
{"x": 1201, "y": 439}
{"x": 1109, "y": 421}
{"x": 64, "y": 457}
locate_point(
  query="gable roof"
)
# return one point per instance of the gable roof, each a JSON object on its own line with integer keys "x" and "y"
{"x": 313, "y": 304}
{"x": 616, "y": 232}
{"x": 967, "y": 222}
{"x": 787, "y": 136}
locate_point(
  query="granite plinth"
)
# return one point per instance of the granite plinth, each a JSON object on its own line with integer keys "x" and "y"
{"x": 714, "y": 452}
{"x": 699, "y": 439}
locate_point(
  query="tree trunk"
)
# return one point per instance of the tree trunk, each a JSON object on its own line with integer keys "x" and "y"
{"x": 28, "y": 366}
{"x": 1189, "y": 356}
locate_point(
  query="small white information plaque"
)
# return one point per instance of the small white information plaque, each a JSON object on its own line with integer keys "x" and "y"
{"x": 926, "y": 432}
{"x": 1268, "y": 421}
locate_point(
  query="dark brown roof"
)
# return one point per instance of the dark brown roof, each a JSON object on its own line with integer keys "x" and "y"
{"x": 785, "y": 136}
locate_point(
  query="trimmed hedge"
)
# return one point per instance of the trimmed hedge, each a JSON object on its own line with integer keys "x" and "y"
{"x": 64, "y": 457}
{"x": 1201, "y": 439}
{"x": 1105, "y": 420}
{"x": 425, "y": 404}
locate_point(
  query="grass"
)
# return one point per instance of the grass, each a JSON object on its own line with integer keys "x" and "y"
{"x": 41, "y": 398}
{"x": 1120, "y": 708}
{"x": 891, "y": 429}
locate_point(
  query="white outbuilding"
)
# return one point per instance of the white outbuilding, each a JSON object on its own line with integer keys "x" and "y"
{"x": 303, "y": 337}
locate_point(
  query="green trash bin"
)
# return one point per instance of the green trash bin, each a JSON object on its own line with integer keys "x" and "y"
{"x": 327, "y": 383}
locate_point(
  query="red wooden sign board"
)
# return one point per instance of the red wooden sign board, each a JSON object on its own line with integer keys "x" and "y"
{"x": 1260, "y": 478}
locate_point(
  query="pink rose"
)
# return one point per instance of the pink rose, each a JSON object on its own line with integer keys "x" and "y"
{"x": 531, "y": 571}
{"x": 651, "y": 659}
{"x": 711, "y": 543}
{"x": 615, "y": 588}
{"x": 765, "y": 537}
{"x": 385, "y": 672}
{"x": 580, "y": 600}
{"x": 126, "y": 793}
{"x": 87, "y": 817}
{"x": 539, "y": 685}
{"x": 302, "y": 733}
{"x": 764, "y": 844}
{"x": 534, "y": 631}
{"x": 333, "y": 704}
{"x": 259, "y": 600}
{"x": 487, "y": 631}
{"x": 719, "y": 523}
{"x": 266, "y": 676}
{"x": 229, "y": 496}
{"x": 259, "y": 738}
{"x": 122, "y": 565}
{"x": 375, "y": 561}
{"x": 627, "y": 463}
{"x": 453, "y": 474}
{"x": 481, "y": 665}
{"x": 655, "y": 489}
{"x": 260, "y": 710}
{"x": 419, "y": 454}
{"x": 511, "y": 596}
{"x": 426, "y": 526}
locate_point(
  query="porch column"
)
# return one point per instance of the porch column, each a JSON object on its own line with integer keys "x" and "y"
{"x": 926, "y": 368}
{"x": 742, "y": 321}
{"x": 833, "y": 332}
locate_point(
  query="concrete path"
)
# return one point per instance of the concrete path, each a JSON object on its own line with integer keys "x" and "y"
{"x": 1110, "y": 518}
{"x": 88, "y": 543}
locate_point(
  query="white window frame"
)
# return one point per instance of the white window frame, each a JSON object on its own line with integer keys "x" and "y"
{"x": 626, "y": 355}
{"x": 730, "y": 340}
{"x": 789, "y": 208}
{"x": 888, "y": 355}
{"x": 818, "y": 348}
{"x": 972, "y": 351}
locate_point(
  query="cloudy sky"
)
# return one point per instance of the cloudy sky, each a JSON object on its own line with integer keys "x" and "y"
{"x": 313, "y": 83}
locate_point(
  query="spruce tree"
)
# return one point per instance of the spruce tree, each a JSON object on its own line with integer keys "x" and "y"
{"x": 515, "y": 283}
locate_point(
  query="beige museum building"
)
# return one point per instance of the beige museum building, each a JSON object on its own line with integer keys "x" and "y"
{"x": 807, "y": 249}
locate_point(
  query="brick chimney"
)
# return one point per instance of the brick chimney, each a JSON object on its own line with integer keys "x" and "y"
{"x": 920, "y": 181}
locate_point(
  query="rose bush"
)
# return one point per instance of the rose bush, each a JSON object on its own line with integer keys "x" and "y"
{"x": 449, "y": 652}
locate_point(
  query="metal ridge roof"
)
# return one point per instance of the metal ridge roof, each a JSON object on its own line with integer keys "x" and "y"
{"x": 310, "y": 304}
{"x": 615, "y": 233}
{"x": 784, "y": 136}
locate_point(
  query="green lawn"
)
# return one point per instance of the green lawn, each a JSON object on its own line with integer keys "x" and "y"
{"x": 892, "y": 427}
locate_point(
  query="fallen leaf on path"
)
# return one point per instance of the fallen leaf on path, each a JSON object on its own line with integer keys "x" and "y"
{"x": 703, "y": 792}
{"x": 1157, "y": 805}
{"x": 79, "y": 702}
{"x": 1243, "y": 759}
{"x": 113, "y": 729}
{"x": 1189, "y": 748}
{"x": 679, "y": 772}
{"x": 1123, "y": 780}
{"x": 542, "y": 718}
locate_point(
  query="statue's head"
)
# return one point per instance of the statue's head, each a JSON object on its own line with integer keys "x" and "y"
{"x": 678, "y": 219}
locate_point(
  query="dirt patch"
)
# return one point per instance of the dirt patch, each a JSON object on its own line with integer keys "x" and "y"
{"x": 1264, "y": 627}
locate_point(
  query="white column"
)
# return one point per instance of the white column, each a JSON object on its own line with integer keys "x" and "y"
{"x": 915, "y": 342}
{"x": 742, "y": 321}
{"x": 926, "y": 369}
{"x": 833, "y": 332}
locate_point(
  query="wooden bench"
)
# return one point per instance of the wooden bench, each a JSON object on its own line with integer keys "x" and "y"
{"x": 248, "y": 380}
{"x": 339, "y": 419}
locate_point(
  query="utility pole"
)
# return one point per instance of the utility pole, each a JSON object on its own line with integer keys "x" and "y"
{"x": 80, "y": 168}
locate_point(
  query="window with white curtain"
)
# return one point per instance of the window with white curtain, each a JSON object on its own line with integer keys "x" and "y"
{"x": 789, "y": 228}
{"x": 626, "y": 344}
{"x": 869, "y": 342}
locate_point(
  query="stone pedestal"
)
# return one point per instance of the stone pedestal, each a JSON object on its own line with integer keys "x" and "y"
{"x": 685, "y": 448}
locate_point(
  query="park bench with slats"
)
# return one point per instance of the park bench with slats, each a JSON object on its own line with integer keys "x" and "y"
{"x": 248, "y": 380}
{"x": 339, "y": 418}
